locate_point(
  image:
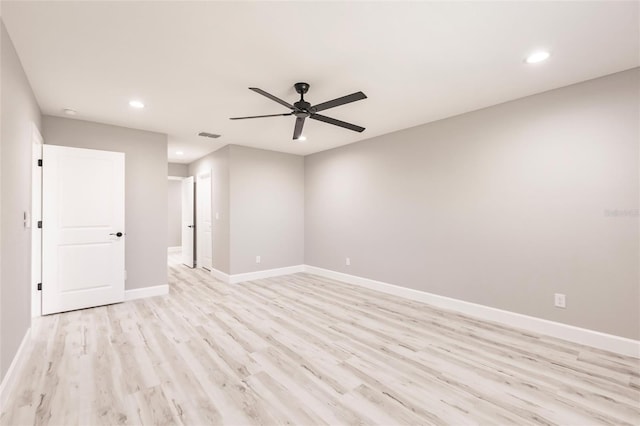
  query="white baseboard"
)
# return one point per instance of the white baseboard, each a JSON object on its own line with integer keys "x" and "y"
{"x": 9, "y": 380}
{"x": 175, "y": 249}
{"x": 141, "y": 293}
{"x": 256, "y": 275}
{"x": 583, "y": 336}
{"x": 267, "y": 273}
{"x": 222, "y": 276}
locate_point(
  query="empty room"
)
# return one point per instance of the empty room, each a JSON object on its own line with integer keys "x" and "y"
{"x": 319, "y": 213}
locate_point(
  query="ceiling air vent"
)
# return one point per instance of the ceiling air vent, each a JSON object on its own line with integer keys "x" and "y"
{"x": 208, "y": 135}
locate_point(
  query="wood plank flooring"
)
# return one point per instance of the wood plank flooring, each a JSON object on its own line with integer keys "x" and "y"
{"x": 305, "y": 350}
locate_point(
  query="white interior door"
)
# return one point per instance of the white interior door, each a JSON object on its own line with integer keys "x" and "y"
{"x": 203, "y": 221}
{"x": 83, "y": 228}
{"x": 188, "y": 222}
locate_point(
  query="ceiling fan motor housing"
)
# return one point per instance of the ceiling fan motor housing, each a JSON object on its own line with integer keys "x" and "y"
{"x": 303, "y": 109}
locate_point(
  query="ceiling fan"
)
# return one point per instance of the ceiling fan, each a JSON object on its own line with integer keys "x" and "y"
{"x": 303, "y": 109}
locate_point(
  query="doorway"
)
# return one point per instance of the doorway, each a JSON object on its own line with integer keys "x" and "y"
{"x": 188, "y": 224}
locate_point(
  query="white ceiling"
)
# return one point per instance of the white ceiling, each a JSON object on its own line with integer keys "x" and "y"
{"x": 192, "y": 62}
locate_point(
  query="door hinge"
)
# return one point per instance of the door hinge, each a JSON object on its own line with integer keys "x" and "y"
{"x": 39, "y": 224}
{"x": 39, "y": 286}
{"x": 40, "y": 163}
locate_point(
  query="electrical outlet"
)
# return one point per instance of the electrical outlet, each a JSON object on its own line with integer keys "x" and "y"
{"x": 217, "y": 215}
{"x": 347, "y": 261}
{"x": 560, "y": 300}
{"x": 258, "y": 260}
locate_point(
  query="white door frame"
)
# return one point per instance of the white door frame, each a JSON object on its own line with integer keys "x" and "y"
{"x": 36, "y": 215}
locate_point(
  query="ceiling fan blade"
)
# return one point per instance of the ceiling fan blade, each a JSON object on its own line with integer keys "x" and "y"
{"x": 337, "y": 122}
{"x": 260, "y": 116}
{"x": 339, "y": 101}
{"x": 297, "y": 132}
{"x": 273, "y": 98}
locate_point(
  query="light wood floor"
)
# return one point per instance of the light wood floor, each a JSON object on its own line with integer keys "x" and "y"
{"x": 306, "y": 350}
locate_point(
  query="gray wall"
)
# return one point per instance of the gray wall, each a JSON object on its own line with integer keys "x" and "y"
{"x": 145, "y": 189}
{"x": 218, "y": 161}
{"x": 267, "y": 209}
{"x": 19, "y": 111}
{"x": 503, "y": 206}
{"x": 180, "y": 170}
{"x": 174, "y": 213}
{"x": 259, "y": 196}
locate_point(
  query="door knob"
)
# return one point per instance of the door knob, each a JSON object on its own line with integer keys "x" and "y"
{"x": 118, "y": 234}
{"x": 191, "y": 226}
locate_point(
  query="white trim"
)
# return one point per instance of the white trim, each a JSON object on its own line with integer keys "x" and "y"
{"x": 36, "y": 215}
{"x": 141, "y": 293}
{"x": 174, "y": 249}
{"x": 583, "y": 336}
{"x": 267, "y": 273}
{"x": 13, "y": 373}
{"x": 222, "y": 276}
{"x": 256, "y": 275}
{"x": 175, "y": 177}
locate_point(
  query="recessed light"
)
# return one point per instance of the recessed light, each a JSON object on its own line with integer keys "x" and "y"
{"x": 69, "y": 111}
{"x": 539, "y": 56}
{"x": 136, "y": 104}
{"x": 179, "y": 153}
{"x": 302, "y": 138}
